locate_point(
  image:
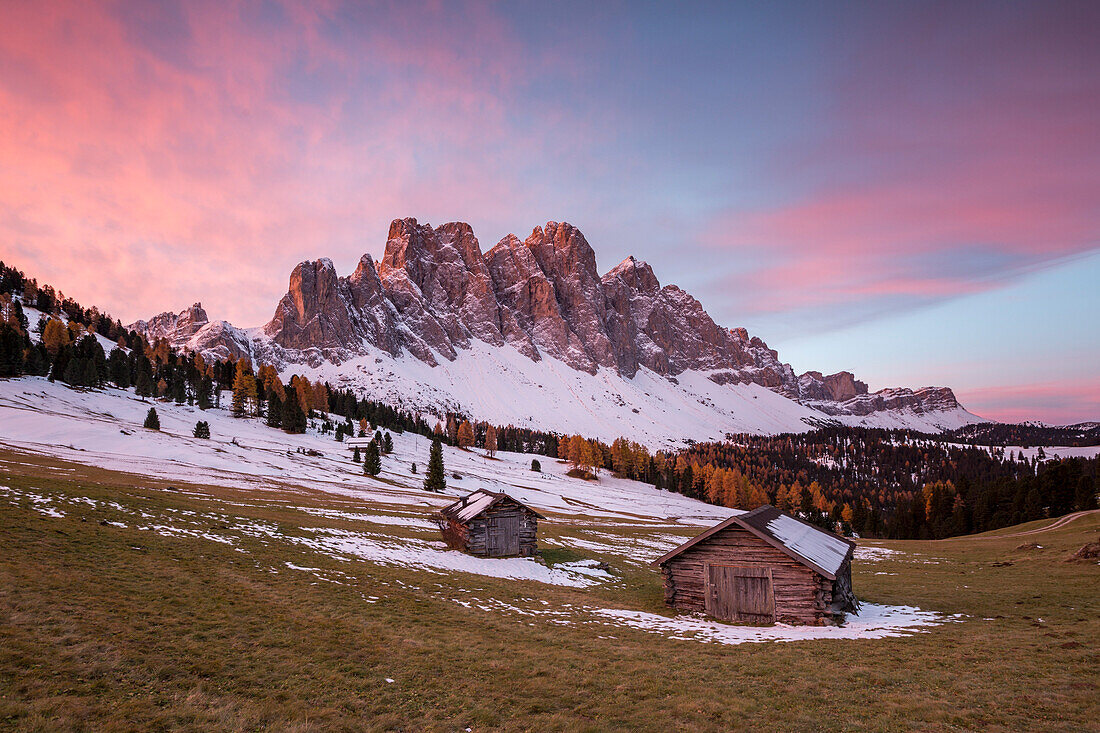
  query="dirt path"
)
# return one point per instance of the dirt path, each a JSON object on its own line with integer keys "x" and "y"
{"x": 1057, "y": 524}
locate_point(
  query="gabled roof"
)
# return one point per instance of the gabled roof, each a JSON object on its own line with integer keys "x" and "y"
{"x": 818, "y": 549}
{"x": 479, "y": 501}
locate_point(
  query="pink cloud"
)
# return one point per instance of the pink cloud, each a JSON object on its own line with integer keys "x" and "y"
{"x": 955, "y": 155}
{"x": 1056, "y": 403}
{"x": 140, "y": 173}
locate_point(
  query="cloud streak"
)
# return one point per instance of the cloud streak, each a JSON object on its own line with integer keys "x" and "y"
{"x": 194, "y": 148}
{"x": 960, "y": 152}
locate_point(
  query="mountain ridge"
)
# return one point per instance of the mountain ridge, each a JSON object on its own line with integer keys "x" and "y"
{"x": 434, "y": 295}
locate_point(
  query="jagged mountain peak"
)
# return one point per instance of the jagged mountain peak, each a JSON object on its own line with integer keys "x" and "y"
{"x": 635, "y": 274}
{"x": 436, "y": 296}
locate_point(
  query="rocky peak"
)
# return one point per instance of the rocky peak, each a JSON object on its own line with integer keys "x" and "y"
{"x": 434, "y": 294}
{"x": 315, "y": 309}
{"x": 838, "y": 387}
{"x": 634, "y": 274}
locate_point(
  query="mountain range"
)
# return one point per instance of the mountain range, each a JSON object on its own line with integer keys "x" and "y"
{"x": 530, "y": 333}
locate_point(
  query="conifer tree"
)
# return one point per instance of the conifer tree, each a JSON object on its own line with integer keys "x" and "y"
{"x": 491, "y": 441}
{"x": 274, "y": 411}
{"x": 245, "y": 399}
{"x": 55, "y": 335}
{"x": 294, "y": 420}
{"x": 372, "y": 464}
{"x": 536, "y": 466}
{"x": 179, "y": 390}
{"x": 152, "y": 422}
{"x": 204, "y": 393}
{"x": 60, "y": 362}
{"x": 37, "y": 360}
{"x": 144, "y": 384}
{"x": 11, "y": 351}
{"x": 118, "y": 368}
{"x": 435, "y": 479}
{"x": 465, "y": 435}
{"x": 387, "y": 443}
{"x": 202, "y": 429}
{"x": 356, "y": 455}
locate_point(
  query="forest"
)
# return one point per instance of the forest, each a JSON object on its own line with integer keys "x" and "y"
{"x": 885, "y": 483}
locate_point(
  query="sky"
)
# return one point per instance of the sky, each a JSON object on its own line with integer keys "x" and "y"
{"x": 909, "y": 191}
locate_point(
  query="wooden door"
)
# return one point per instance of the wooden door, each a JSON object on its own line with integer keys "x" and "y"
{"x": 504, "y": 535}
{"x": 740, "y": 594}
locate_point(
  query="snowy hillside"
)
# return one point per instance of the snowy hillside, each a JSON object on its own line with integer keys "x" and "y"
{"x": 103, "y": 428}
{"x": 501, "y": 385}
{"x": 340, "y": 527}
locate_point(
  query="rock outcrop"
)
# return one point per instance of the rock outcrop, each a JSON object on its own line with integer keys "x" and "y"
{"x": 434, "y": 294}
{"x": 192, "y": 330}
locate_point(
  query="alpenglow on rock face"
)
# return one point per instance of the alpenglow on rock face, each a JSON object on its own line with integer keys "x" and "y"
{"x": 435, "y": 293}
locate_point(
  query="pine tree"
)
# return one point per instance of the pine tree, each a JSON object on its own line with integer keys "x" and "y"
{"x": 356, "y": 455}
{"x": 204, "y": 394}
{"x": 1085, "y": 496}
{"x": 152, "y": 422}
{"x": 179, "y": 390}
{"x": 202, "y": 429}
{"x": 245, "y": 399}
{"x": 118, "y": 368}
{"x": 55, "y": 335}
{"x": 144, "y": 384}
{"x": 435, "y": 479}
{"x": 387, "y": 443}
{"x": 465, "y": 435}
{"x": 11, "y": 351}
{"x": 372, "y": 464}
{"x": 294, "y": 420}
{"x": 491, "y": 441}
{"x": 274, "y": 411}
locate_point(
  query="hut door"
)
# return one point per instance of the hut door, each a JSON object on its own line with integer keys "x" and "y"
{"x": 504, "y": 535}
{"x": 740, "y": 594}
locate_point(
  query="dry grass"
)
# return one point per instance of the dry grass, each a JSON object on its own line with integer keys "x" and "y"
{"x": 104, "y": 628}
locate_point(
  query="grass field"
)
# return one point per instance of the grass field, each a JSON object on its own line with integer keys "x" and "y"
{"x": 107, "y": 627}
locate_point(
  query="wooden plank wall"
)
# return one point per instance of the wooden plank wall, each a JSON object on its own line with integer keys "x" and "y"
{"x": 801, "y": 595}
{"x": 477, "y": 537}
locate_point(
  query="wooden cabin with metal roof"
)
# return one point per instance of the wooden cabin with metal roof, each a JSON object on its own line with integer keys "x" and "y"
{"x": 762, "y": 567}
{"x": 490, "y": 524}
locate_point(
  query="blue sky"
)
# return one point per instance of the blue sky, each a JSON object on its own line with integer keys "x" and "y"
{"x": 898, "y": 189}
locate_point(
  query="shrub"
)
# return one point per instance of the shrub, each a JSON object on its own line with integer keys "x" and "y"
{"x": 151, "y": 420}
{"x": 536, "y": 466}
{"x": 202, "y": 429}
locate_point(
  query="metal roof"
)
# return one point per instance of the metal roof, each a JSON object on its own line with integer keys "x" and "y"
{"x": 812, "y": 546}
{"x": 479, "y": 501}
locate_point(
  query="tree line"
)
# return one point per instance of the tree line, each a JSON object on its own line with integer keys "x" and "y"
{"x": 884, "y": 483}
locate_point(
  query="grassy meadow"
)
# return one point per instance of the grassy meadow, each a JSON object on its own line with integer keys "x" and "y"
{"x": 112, "y": 628}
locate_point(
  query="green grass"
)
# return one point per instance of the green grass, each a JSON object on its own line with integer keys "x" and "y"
{"x": 106, "y": 628}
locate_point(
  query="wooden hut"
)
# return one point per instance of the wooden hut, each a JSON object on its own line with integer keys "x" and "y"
{"x": 488, "y": 524}
{"x": 762, "y": 567}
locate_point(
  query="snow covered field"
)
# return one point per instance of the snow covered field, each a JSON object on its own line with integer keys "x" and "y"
{"x": 387, "y": 522}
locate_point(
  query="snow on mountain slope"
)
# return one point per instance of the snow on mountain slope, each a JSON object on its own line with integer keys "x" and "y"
{"x": 504, "y": 386}
{"x": 103, "y": 428}
{"x": 34, "y": 315}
